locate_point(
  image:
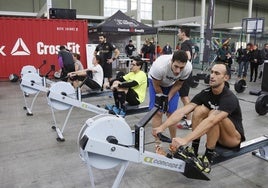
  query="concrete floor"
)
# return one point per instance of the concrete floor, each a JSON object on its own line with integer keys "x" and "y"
{"x": 30, "y": 156}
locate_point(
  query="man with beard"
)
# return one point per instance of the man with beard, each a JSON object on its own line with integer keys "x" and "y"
{"x": 105, "y": 51}
{"x": 216, "y": 113}
{"x": 166, "y": 76}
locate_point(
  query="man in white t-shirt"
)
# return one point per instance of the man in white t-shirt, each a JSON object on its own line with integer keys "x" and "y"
{"x": 166, "y": 76}
{"x": 93, "y": 75}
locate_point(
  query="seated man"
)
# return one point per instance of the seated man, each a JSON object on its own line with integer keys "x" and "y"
{"x": 216, "y": 113}
{"x": 130, "y": 87}
{"x": 93, "y": 76}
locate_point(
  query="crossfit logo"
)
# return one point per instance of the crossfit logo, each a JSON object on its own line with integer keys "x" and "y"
{"x": 20, "y": 48}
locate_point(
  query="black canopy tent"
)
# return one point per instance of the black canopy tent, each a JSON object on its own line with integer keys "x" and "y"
{"x": 123, "y": 24}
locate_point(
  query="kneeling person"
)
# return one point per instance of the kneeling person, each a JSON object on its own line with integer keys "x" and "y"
{"x": 129, "y": 88}
{"x": 216, "y": 113}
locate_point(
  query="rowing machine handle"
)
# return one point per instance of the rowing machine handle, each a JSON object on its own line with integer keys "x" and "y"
{"x": 164, "y": 138}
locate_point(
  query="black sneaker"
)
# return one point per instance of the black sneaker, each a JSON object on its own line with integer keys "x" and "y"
{"x": 203, "y": 163}
{"x": 184, "y": 153}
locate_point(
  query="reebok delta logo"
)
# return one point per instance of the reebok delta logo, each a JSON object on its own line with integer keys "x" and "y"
{"x": 20, "y": 48}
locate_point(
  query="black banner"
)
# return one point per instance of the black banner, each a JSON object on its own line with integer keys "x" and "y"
{"x": 208, "y": 32}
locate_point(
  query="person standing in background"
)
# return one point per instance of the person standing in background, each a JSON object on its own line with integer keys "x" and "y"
{"x": 186, "y": 45}
{"x": 167, "y": 49}
{"x": 129, "y": 49}
{"x": 105, "y": 50}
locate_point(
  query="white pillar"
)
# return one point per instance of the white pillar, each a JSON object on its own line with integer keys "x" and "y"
{"x": 202, "y": 29}
{"x": 250, "y": 2}
{"x": 138, "y": 38}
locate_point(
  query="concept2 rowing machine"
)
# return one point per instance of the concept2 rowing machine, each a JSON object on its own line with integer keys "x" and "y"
{"x": 63, "y": 96}
{"x": 106, "y": 141}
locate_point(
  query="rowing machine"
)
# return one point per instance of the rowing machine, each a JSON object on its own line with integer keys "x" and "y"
{"x": 106, "y": 141}
{"x": 63, "y": 96}
{"x": 261, "y": 143}
{"x": 32, "y": 83}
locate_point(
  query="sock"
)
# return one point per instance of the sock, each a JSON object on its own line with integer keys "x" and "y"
{"x": 209, "y": 153}
{"x": 122, "y": 100}
{"x": 116, "y": 99}
{"x": 195, "y": 145}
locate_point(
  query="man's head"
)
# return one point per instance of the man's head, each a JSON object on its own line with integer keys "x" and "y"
{"x": 102, "y": 38}
{"x": 62, "y": 48}
{"x": 136, "y": 64}
{"x": 220, "y": 73}
{"x": 179, "y": 60}
{"x": 183, "y": 32}
{"x": 96, "y": 59}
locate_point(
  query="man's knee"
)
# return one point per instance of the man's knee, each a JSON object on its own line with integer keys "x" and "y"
{"x": 201, "y": 112}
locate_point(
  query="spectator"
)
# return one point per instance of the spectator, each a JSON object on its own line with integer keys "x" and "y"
{"x": 255, "y": 60}
{"x": 243, "y": 65}
{"x": 130, "y": 48}
{"x": 167, "y": 49}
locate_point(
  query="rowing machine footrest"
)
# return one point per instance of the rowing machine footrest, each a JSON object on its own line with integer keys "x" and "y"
{"x": 191, "y": 171}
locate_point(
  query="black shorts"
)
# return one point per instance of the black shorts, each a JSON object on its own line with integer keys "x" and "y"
{"x": 185, "y": 88}
{"x": 132, "y": 97}
{"x": 107, "y": 70}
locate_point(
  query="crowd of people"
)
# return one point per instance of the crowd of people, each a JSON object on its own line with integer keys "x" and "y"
{"x": 214, "y": 111}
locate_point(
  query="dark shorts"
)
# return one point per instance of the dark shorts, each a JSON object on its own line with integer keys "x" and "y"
{"x": 173, "y": 102}
{"x": 107, "y": 70}
{"x": 132, "y": 97}
{"x": 185, "y": 88}
{"x": 88, "y": 82}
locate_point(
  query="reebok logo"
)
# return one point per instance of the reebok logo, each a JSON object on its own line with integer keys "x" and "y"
{"x": 20, "y": 48}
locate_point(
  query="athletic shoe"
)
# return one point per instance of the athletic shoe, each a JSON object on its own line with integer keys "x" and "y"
{"x": 118, "y": 111}
{"x": 122, "y": 113}
{"x": 115, "y": 110}
{"x": 109, "y": 106}
{"x": 203, "y": 163}
{"x": 185, "y": 124}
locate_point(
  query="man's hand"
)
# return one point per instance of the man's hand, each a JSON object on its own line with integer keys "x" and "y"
{"x": 157, "y": 130}
{"x": 177, "y": 142}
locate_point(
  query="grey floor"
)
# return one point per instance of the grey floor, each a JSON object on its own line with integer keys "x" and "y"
{"x": 30, "y": 156}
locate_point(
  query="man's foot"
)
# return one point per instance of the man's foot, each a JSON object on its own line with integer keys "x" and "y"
{"x": 183, "y": 153}
{"x": 109, "y": 106}
{"x": 185, "y": 124}
{"x": 118, "y": 111}
{"x": 203, "y": 163}
{"x": 159, "y": 150}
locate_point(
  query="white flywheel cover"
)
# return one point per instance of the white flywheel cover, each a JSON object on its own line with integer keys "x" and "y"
{"x": 28, "y": 69}
{"x": 33, "y": 78}
{"x": 99, "y": 128}
{"x": 62, "y": 87}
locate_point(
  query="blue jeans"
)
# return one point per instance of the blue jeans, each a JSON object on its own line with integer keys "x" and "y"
{"x": 243, "y": 69}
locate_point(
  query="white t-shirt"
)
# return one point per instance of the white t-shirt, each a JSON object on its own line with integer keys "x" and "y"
{"x": 98, "y": 74}
{"x": 161, "y": 70}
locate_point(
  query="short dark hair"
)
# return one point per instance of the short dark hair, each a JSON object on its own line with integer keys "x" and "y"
{"x": 186, "y": 30}
{"x": 102, "y": 35}
{"x": 180, "y": 55}
{"x": 138, "y": 60}
{"x": 98, "y": 58}
{"x": 62, "y": 47}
